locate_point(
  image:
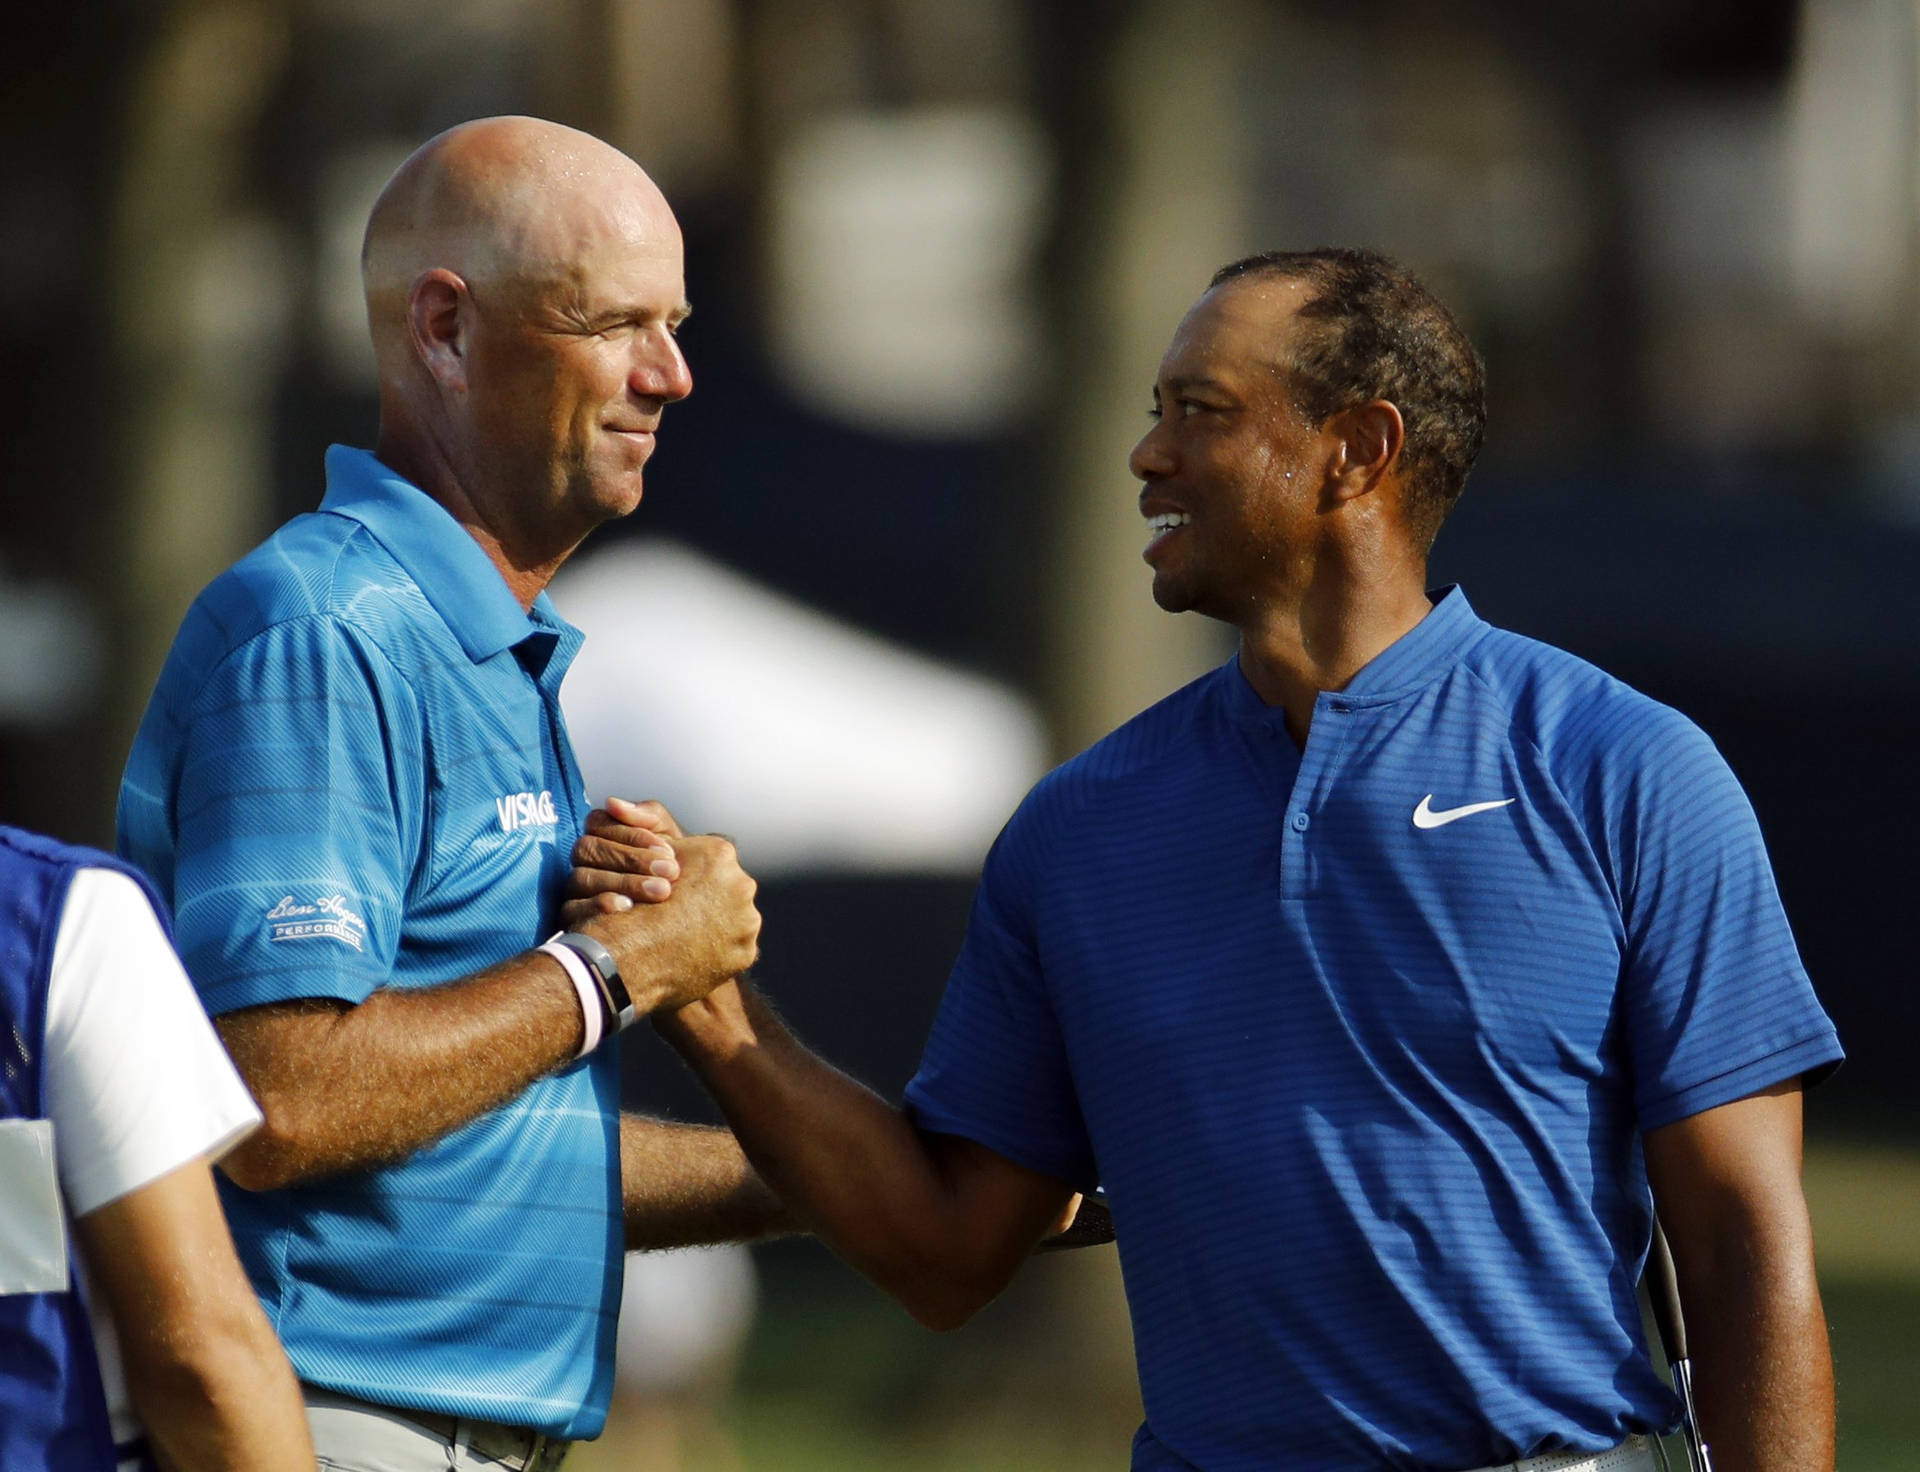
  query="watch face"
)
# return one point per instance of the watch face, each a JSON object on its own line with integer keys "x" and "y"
{"x": 622, "y": 998}
{"x": 609, "y": 969}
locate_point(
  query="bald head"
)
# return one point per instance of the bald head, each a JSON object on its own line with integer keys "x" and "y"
{"x": 509, "y": 201}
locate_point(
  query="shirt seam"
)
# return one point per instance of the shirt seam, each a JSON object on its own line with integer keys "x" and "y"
{"x": 944, "y": 1120}
{"x": 365, "y": 637}
{"x": 330, "y": 614}
{"x": 1518, "y": 732}
{"x": 1801, "y": 1041}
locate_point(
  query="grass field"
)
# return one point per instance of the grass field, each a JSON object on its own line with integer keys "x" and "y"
{"x": 838, "y": 1380}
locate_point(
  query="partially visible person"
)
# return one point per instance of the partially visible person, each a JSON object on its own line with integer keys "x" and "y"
{"x": 355, "y": 789}
{"x": 114, "y": 1097}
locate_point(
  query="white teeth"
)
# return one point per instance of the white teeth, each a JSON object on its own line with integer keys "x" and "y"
{"x": 1167, "y": 521}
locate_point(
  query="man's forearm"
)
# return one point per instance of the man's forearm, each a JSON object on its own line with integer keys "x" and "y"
{"x": 687, "y": 1185}
{"x": 349, "y": 1088}
{"x": 1726, "y": 1183}
{"x": 202, "y": 1365}
{"x": 352, "y": 1087}
{"x": 942, "y": 1230}
{"x": 1763, "y": 1373}
{"x": 207, "y": 1411}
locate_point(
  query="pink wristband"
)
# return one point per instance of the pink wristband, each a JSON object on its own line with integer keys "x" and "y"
{"x": 593, "y": 1006}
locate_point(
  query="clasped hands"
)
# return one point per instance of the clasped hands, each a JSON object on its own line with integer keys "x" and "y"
{"x": 675, "y": 908}
{"x": 683, "y": 905}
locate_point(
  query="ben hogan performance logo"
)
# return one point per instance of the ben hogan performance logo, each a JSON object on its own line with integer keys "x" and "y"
{"x": 327, "y": 918}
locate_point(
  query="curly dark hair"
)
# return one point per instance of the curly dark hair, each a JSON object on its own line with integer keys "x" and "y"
{"x": 1377, "y": 333}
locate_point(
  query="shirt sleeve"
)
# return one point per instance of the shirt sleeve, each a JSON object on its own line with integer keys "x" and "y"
{"x": 137, "y": 1083}
{"x": 995, "y": 1069}
{"x": 298, "y": 811}
{"x": 1716, "y": 1003}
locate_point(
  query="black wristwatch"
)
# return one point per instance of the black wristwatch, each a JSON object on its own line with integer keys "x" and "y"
{"x": 606, "y": 971}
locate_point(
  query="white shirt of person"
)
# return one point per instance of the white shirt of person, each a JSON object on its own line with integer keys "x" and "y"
{"x": 134, "y": 1078}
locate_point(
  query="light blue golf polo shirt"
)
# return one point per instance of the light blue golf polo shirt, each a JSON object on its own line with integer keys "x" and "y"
{"x": 1361, "y": 1039}
{"x": 354, "y": 775}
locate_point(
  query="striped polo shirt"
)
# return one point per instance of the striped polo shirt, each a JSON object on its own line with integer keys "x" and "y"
{"x": 353, "y": 775}
{"x": 1361, "y": 1039}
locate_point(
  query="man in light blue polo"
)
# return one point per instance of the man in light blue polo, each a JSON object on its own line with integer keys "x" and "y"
{"x": 1386, "y": 978}
{"x": 354, "y": 788}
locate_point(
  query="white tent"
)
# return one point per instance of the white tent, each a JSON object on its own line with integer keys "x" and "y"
{"x": 815, "y": 746}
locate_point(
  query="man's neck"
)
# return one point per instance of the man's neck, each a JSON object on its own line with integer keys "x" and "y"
{"x": 1290, "y": 654}
{"x": 421, "y": 460}
{"x": 525, "y": 580}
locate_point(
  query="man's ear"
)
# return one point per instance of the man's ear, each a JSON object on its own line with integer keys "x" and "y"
{"x": 1368, "y": 448}
{"x": 438, "y": 313}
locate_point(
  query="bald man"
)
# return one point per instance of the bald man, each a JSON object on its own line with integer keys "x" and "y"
{"x": 354, "y": 787}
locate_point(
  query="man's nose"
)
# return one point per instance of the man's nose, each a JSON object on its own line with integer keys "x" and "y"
{"x": 1151, "y": 458}
{"x": 660, "y": 369}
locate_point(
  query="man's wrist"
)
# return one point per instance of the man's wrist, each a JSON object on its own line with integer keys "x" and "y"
{"x": 606, "y": 971}
{"x": 715, "y": 1028}
{"x": 596, "y": 1013}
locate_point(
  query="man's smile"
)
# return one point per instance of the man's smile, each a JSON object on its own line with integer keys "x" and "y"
{"x": 1162, "y": 526}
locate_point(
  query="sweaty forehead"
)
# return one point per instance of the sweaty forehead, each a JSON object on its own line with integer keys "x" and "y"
{"x": 597, "y": 247}
{"x": 1240, "y": 329}
{"x": 559, "y": 229}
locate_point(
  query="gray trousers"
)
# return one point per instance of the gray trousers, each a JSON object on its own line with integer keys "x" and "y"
{"x": 352, "y": 1436}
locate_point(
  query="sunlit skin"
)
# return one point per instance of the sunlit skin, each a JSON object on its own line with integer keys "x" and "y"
{"x": 1298, "y": 533}
{"x": 1228, "y": 449}
{"x": 524, "y": 288}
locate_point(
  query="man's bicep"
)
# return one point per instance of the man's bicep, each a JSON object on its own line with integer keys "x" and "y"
{"x": 995, "y": 1068}
{"x": 296, "y": 818}
{"x": 1725, "y": 1173}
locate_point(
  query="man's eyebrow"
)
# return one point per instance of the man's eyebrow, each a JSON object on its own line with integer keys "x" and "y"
{"x": 619, "y": 316}
{"x": 1182, "y": 382}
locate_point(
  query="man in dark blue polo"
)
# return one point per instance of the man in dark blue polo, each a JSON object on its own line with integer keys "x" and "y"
{"x": 1386, "y": 977}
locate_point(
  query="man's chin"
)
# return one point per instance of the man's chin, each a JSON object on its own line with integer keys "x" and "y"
{"x": 618, "y": 496}
{"x": 1171, "y": 594}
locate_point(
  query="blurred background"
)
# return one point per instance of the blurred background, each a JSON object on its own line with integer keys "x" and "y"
{"x": 887, "y": 569}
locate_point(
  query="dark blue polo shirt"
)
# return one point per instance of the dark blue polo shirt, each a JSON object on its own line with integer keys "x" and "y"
{"x": 1361, "y": 1041}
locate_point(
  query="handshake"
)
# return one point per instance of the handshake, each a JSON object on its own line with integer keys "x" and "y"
{"x": 675, "y": 909}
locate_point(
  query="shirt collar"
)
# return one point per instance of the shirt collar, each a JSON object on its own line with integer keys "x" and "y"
{"x": 452, "y": 571}
{"x": 1421, "y": 655}
{"x": 1417, "y": 658}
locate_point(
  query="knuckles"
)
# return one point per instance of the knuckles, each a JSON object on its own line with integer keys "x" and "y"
{"x": 715, "y": 892}
{"x": 602, "y": 852}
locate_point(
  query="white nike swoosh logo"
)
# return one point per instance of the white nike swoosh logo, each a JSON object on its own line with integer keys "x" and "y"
{"x": 1425, "y": 817}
